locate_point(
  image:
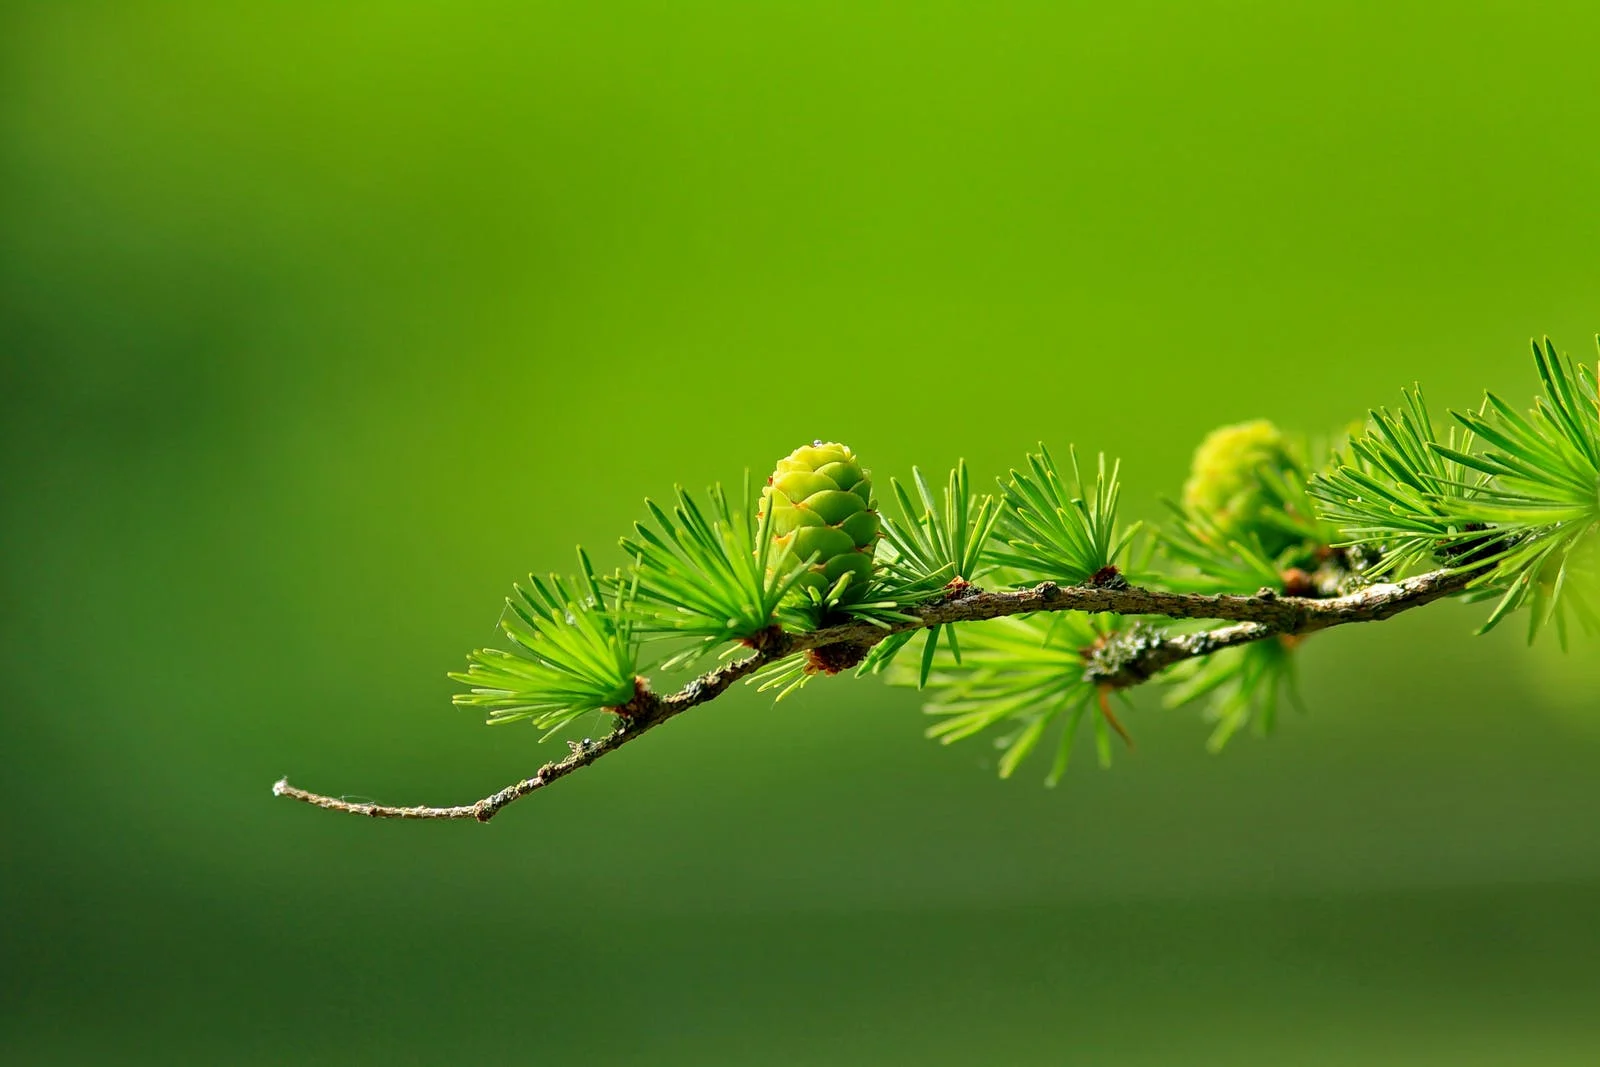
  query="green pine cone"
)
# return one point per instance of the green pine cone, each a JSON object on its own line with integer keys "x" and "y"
{"x": 1225, "y": 481}
{"x": 821, "y": 502}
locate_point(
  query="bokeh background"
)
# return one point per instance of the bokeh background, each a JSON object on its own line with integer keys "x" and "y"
{"x": 324, "y": 323}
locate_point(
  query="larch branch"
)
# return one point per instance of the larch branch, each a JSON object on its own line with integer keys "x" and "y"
{"x": 1254, "y": 617}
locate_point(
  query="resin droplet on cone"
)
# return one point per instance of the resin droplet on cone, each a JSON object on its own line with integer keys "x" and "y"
{"x": 821, "y": 502}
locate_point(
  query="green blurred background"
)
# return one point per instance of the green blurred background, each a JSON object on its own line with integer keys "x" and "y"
{"x": 324, "y": 323}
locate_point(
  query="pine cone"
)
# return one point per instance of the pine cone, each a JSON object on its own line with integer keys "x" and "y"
{"x": 821, "y": 502}
{"x": 1225, "y": 481}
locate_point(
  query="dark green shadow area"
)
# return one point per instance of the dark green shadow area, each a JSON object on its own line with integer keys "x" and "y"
{"x": 1470, "y": 976}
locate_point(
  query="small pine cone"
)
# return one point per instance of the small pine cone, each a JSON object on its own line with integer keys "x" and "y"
{"x": 821, "y": 502}
{"x": 1225, "y": 482}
